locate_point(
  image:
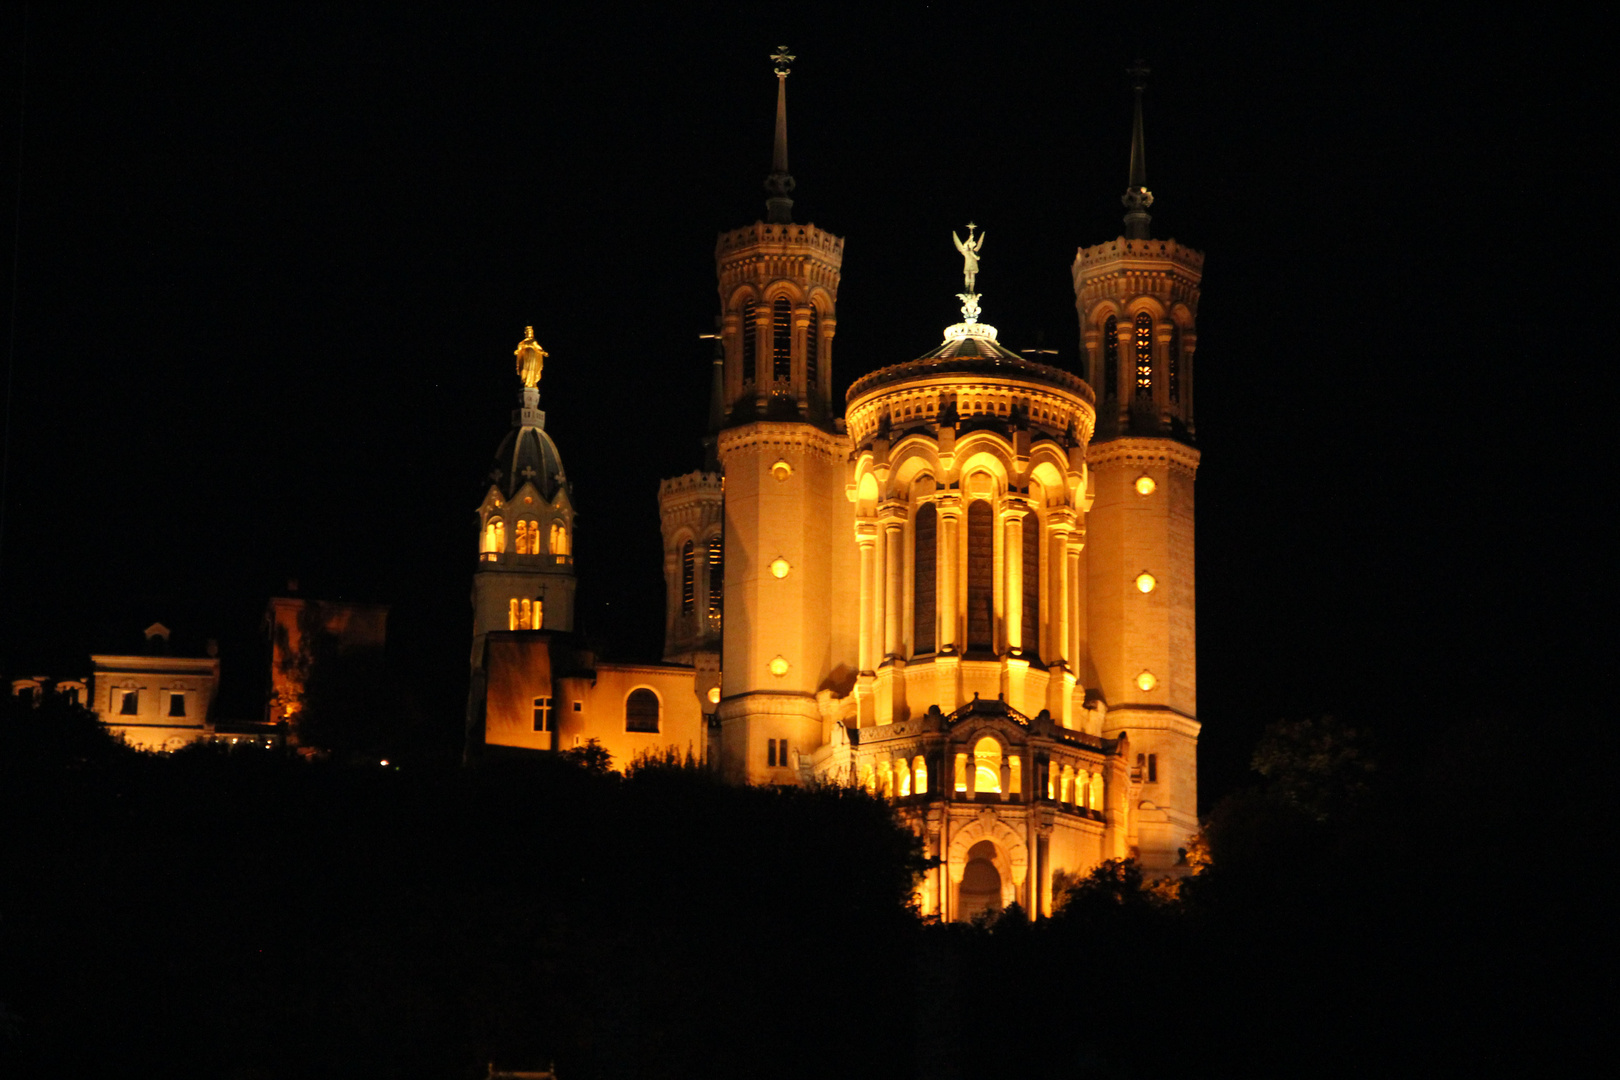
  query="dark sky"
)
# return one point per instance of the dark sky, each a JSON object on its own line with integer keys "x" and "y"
{"x": 272, "y": 263}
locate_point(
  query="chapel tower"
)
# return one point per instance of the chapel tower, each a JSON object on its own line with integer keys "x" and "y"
{"x": 525, "y": 574}
{"x": 787, "y": 567}
{"x": 1137, "y": 299}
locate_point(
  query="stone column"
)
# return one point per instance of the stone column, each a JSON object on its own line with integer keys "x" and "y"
{"x": 1012, "y": 516}
{"x": 949, "y": 570}
{"x": 892, "y": 517}
{"x": 802, "y": 330}
{"x": 866, "y": 538}
{"x": 1059, "y": 524}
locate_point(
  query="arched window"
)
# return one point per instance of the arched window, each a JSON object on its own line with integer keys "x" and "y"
{"x": 750, "y": 336}
{"x": 919, "y": 774}
{"x": 1110, "y": 358}
{"x": 1144, "y": 355}
{"x": 980, "y": 584}
{"x": 716, "y": 576}
{"x": 1175, "y": 363}
{"x": 961, "y": 772}
{"x": 782, "y": 340}
{"x": 641, "y": 711}
{"x": 688, "y": 578}
{"x": 868, "y": 779}
{"x": 886, "y": 779}
{"x": 1030, "y": 618}
{"x": 494, "y": 538}
{"x": 902, "y": 778}
{"x": 812, "y": 348}
{"x": 987, "y": 765}
{"x": 1066, "y": 785}
{"x": 559, "y": 538}
{"x": 924, "y": 563}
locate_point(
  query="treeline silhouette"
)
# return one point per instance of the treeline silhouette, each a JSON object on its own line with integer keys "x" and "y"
{"x": 251, "y": 914}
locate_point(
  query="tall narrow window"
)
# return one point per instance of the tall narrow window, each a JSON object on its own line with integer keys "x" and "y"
{"x": 177, "y": 703}
{"x": 716, "y": 576}
{"x": 1144, "y": 355}
{"x": 925, "y": 561}
{"x": 770, "y": 753}
{"x": 782, "y": 340}
{"x": 961, "y": 772}
{"x": 812, "y": 349}
{"x": 641, "y": 711}
{"x": 129, "y": 702}
{"x": 987, "y": 765}
{"x": 688, "y": 578}
{"x": 919, "y": 775}
{"x": 1110, "y": 358}
{"x": 542, "y": 714}
{"x": 750, "y": 336}
{"x": 1030, "y": 623}
{"x": 980, "y": 585}
{"x": 1175, "y": 363}
{"x": 1153, "y": 769}
{"x": 512, "y": 616}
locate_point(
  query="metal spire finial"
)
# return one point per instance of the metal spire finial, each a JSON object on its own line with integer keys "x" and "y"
{"x": 1137, "y": 197}
{"x": 779, "y": 184}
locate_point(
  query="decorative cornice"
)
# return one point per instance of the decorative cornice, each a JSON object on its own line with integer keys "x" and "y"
{"x": 1135, "y": 448}
{"x": 765, "y": 435}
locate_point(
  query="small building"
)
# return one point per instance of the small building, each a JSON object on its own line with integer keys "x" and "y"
{"x": 155, "y": 700}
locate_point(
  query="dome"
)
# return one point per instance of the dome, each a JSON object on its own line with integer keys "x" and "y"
{"x": 971, "y": 349}
{"x": 527, "y": 454}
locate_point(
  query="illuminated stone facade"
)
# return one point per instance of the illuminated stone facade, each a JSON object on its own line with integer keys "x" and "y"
{"x": 972, "y": 593}
{"x": 154, "y": 700}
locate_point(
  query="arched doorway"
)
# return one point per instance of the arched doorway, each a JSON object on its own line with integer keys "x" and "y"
{"x": 980, "y": 890}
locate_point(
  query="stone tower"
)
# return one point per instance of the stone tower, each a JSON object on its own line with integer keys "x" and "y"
{"x": 1137, "y": 299}
{"x": 525, "y": 574}
{"x": 787, "y": 566}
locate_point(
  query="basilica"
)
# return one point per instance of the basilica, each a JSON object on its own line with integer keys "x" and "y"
{"x": 967, "y": 587}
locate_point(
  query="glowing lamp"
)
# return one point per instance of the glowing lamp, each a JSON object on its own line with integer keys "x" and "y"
{"x": 1145, "y": 485}
{"x": 714, "y": 695}
{"x": 1146, "y": 582}
{"x": 779, "y": 666}
{"x": 1146, "y": 681}
{"x": 781, "y": 469}
{"x": 780, "y": 568}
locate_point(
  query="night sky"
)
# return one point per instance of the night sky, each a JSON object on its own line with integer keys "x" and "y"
{"x": 272, "y": 262}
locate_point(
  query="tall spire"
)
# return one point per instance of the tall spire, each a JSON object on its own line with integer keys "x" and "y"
{"x": 1137, "y": 197}
{"x": 779, "y": 184}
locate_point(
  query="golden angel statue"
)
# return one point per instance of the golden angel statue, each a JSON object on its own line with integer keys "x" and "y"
{"x": 970, "y": 254}
{"x": 531, "y": 358}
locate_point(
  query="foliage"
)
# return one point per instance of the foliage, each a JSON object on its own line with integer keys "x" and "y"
{"x": 1318, "y": 765}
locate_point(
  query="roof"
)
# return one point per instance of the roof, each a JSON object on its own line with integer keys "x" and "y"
{"x": 527, "y": 455}
{"x": 970, "y": 349}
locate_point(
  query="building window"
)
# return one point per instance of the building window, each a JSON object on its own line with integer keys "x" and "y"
{"x": 1153, "y": 769}
{"x": 716, "y": 576}
{"x": 919, "y": 773}
{"x": 750, "y": 336}
{"x": 961, "y": 772}
{"x": 987, "y": 765}
{"x": 525, "y": 615}
{"x": 924, "y": 562}
{"x": 1175, "y": 363}
{"x": 782, "y": 340}
{"x": 1030, "y": 616}
{"x": 70, "y": 695}
{"x": 1110, "y": 358}
{"x": 542, "y": 714}
{"x": 177, "y": 703}
{"x": 1144, "y": 355}
{"x": 688, "y": 578}
{"x": 128, "y": 702}
{"x": 812, "y": 348}
{"x": 776, "y": 753}
{"x": 494, "y": 538}
{"x": 641, "y": 711}
{"x": 981, "y": 583}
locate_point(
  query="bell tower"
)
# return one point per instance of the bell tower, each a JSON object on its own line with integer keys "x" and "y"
{"x": 783, "y": 457}
{"x": 525, "y": 572}
{"x": 1137, "y": 299}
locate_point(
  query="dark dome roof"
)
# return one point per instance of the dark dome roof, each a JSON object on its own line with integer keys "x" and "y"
{"x": 528, "y": 454}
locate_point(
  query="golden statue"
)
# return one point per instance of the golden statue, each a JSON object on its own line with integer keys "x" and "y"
{"x": 531, "y": 358}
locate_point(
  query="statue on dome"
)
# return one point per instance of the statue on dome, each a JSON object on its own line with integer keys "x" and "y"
{"x": 970, "y": 254}
{"x": 531, "y": 359}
